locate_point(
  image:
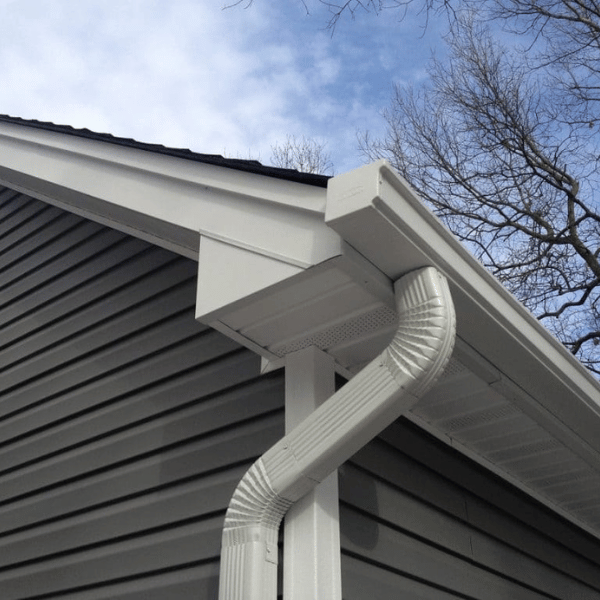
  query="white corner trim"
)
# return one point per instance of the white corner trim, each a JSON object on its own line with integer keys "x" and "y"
{"x": 311, "y": 548}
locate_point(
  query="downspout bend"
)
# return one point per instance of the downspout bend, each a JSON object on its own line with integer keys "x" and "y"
{"x": 387, "y": 387}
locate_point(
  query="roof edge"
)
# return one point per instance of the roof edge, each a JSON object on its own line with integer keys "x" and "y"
{"x": 164, "y": 199}
{"x": 247, "y": 166}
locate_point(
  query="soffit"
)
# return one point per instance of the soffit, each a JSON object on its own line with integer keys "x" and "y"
{"x": 493, "y": 424}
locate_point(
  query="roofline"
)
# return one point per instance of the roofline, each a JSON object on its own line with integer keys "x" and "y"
{"x": 162, "y": 197}
{"x": 247, "y": 166}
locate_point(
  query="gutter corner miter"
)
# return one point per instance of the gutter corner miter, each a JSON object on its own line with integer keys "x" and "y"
{"x": 386, "y": 388}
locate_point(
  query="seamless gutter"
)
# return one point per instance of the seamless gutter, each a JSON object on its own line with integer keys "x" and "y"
{"x": 374, "y": 210}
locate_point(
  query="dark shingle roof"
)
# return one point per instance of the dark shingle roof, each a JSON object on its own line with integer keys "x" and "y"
{"x": 249, "y": 166}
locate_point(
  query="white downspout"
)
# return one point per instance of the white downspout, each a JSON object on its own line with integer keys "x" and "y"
{"x": 387, "y": 387}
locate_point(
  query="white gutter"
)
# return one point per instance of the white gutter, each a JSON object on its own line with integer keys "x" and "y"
{"x": 386, "y": 388}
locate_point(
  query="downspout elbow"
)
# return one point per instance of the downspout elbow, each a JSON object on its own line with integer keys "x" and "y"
{"x": 386, "y": 388}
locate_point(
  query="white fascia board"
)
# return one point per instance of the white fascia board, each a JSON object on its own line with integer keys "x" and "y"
{"x": 376, "y": 212}
{"x": 167, "y": 200}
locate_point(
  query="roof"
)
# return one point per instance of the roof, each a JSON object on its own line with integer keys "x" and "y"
{"x": 249, "y": 166}
{"x": 284, "y": 264}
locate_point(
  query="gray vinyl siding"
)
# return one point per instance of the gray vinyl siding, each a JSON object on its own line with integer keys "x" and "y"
{"x": 419, "y": 521}
{"x": 124, "y": 424}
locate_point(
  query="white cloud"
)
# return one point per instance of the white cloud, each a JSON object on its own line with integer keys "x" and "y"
{"x": 188, "y": 74}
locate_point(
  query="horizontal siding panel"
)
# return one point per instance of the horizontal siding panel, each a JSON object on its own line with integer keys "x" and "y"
{"x": 403, "y": 485}
{"x": 464, "y": 474}
{"x": 385, "y": 462}
{"x": 191, "y": 386}
{"x": 191, "y": 583}
{"x": 216, "y": 452}
{"x": 164, "y": 319}
{"x": 188, "y": 543}
{"x": 18, "y": 323}
{"x": 100, "y": 251}
{"x": 8, "y": 202}
{"x": 37, "y": 238}
{"x": 143, "y": 295}
{"x": 115, "y": 384}
{"x": 503, "y": 559}
{"x": 389, "y": 505}
{"x": 416, "y": 559}
{"x": 47, "y": 286}
{"x": 511, "y": 531}
{"x": 67, "y": 233}
{"x": 120, "y": 357}
{"x": 154, "y": 510}
{"x": 201, "y": 419}
{"x": 362, "y": 581}
{"x": 22, "y": 217}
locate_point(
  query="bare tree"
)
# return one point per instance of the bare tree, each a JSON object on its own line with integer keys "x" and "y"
{"x": 352, "y": 8}
{"x": 503, "y": 144}
{"x": 501, "y": 150}
{"x": 303, "y": 154}
{"x": 567, "y": 36}
{"x": 337, "y": 9}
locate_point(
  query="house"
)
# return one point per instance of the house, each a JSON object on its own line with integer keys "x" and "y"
{"x": 166, "y": 318}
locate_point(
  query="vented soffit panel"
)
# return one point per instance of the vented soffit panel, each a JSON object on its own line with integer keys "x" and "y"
{"x": 494, "y": 425}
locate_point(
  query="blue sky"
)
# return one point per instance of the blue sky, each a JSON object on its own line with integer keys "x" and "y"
{"x": 186, "y": 73}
